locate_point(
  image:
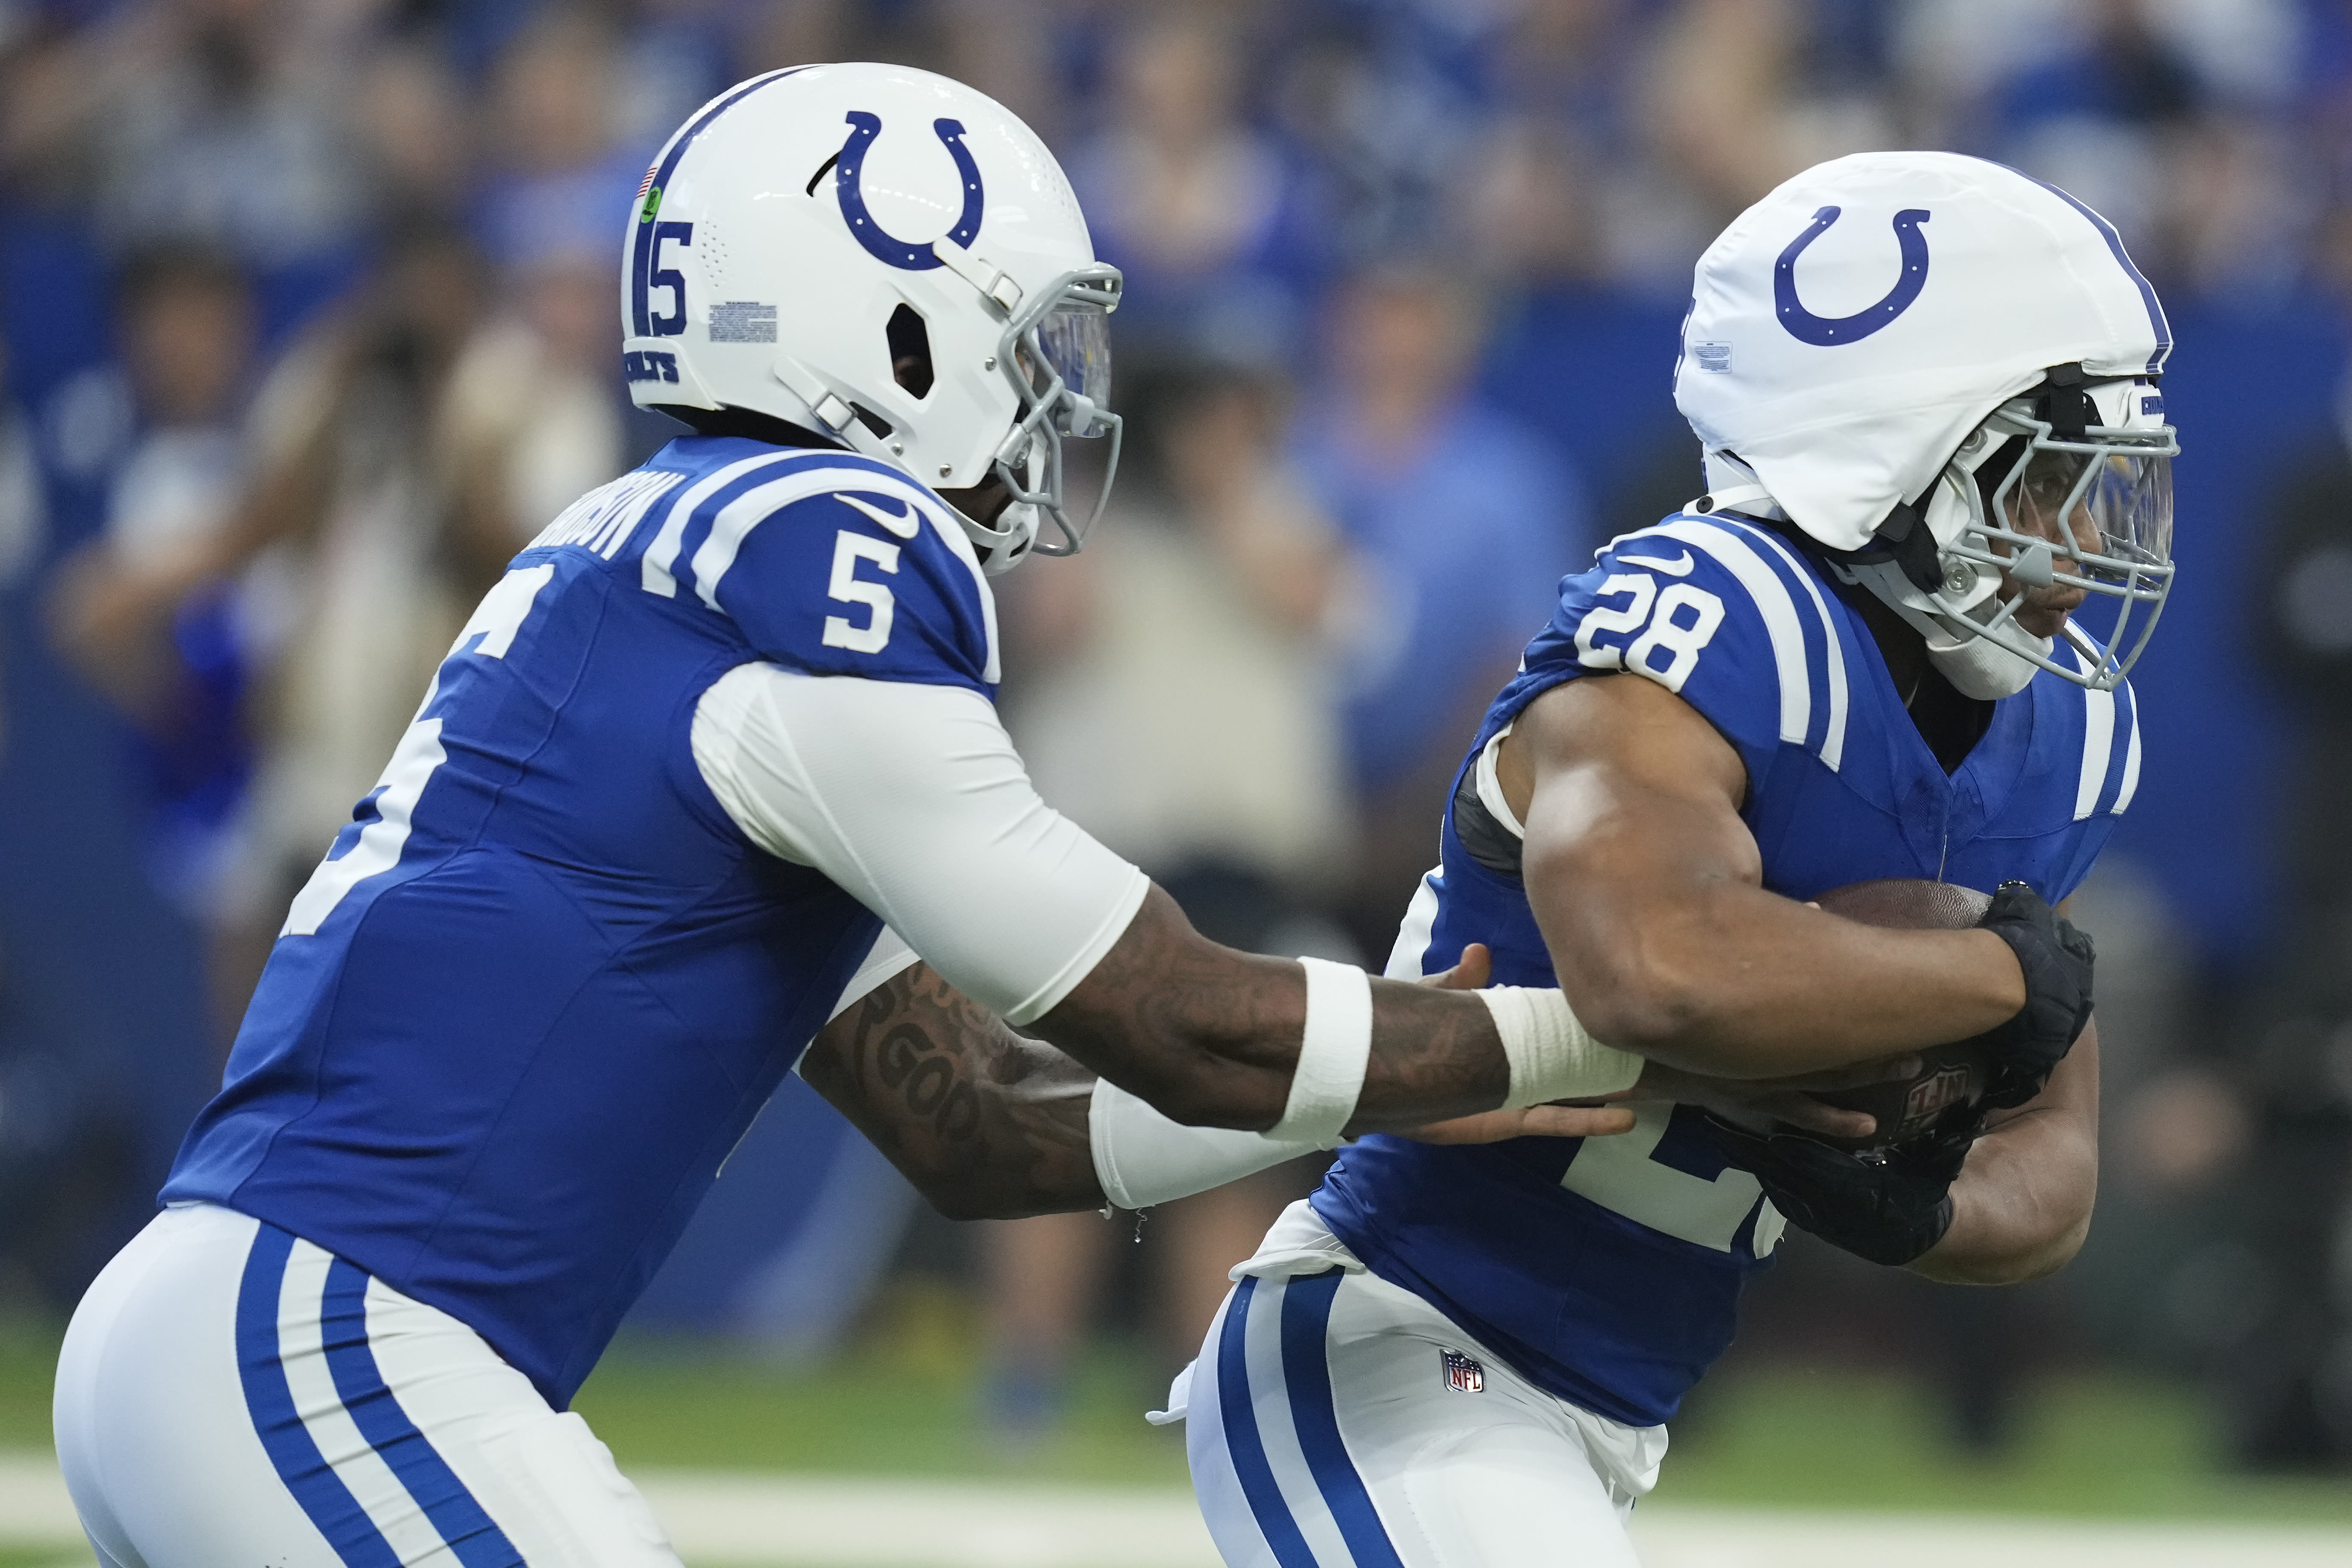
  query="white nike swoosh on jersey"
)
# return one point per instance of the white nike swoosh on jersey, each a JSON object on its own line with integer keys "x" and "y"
{"x": 904, "y": 527}
{"x": 1671, "y": 568}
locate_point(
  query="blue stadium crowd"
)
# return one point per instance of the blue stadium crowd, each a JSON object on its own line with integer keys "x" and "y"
{"x": 307, "y": 323}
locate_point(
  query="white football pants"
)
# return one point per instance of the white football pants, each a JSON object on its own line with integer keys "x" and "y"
{"x": 1335, "y": 1420}
{"x": 230, "y": 1394}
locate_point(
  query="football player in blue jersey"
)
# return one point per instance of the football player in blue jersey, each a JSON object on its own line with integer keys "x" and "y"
{"x": 1891, "y": 642}
{"x": 700, "y": 777}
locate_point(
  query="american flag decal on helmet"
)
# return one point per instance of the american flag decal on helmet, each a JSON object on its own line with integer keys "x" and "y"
{"x": 1463, "y": 1373}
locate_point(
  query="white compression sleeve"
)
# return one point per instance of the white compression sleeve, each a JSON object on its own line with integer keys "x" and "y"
{"x": 911, "y": 799}
{"x": 1142, "y": 1158}
{"x": 1551, "y": 1055}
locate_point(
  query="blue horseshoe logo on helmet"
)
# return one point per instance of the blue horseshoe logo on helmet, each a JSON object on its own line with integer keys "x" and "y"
{"x": 885, "y": 247}
{"x": 1828, "y": 331}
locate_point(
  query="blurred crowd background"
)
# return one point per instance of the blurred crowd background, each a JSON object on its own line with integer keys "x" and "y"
{"x": 308, "y": 320}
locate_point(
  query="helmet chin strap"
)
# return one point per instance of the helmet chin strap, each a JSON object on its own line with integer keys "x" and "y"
{"x": 1977, "y": 666}
{"x": 1001, "y": 546}
{"x": 1006, "y": 544}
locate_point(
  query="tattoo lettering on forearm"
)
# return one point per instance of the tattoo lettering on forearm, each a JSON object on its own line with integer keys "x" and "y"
{"x": 928, "y": 1083}
{"x": 983, "y": 1120}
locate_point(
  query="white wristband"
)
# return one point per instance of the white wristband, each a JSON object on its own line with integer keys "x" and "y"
{"x": 1142, "y": 1158}
{"x": 1552, "y": 1056}
{"x": 1335, "y": 1049}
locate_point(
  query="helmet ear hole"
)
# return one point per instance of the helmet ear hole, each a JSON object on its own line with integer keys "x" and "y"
{"x": 911, "y": 350}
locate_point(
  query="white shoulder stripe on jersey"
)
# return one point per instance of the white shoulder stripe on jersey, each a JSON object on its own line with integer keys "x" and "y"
{"x": 1407, "y": 959}
{"x": 2098, "y": 746}
{"x": 747, "y": 511}
{"x": 1772, "y": 601}
{"x": 654, "y": 570}
{"x": 1833, "y": 741}
{"x": 735, "y": 520}
{"x": 2131, "y": 759}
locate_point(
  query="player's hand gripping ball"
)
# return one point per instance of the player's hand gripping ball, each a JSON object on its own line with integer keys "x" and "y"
{"x": 2005, "y": 1066}
{"x": 1949, "y": 1075}
{"x": 1888, "y": 1207}
{"x": 2057, "y": 960}
{"x": 1887, "y": 1197}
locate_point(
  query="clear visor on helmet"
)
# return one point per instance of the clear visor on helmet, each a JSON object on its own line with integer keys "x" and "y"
{"x": 2089, "y": 519}
{"x": 1076, "y": 340}
{"x": 1056, "y": 352}
{"x": 2115, "y": 506}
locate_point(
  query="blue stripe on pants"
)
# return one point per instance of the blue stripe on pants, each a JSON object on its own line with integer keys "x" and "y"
{"x": 1247, "y": 1449}
{"x": 463, "y": 1525}
{"x": 292, "y": 1452}
{"x": 1307, "y": 1370}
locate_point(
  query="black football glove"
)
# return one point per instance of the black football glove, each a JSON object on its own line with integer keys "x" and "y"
{"x": 2057, "y": 960}
{"x": 1888, "y": 1207}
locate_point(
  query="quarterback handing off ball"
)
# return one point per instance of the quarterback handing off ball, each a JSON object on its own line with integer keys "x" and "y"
{"x": 1949, "y": 1075}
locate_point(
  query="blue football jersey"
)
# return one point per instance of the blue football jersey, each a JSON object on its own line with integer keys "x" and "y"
{"x": 1608, "y": 1269}
{"x": 542, "y": 983}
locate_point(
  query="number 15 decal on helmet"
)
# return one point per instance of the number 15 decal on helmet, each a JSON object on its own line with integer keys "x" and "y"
{"x": 889, "y": 259}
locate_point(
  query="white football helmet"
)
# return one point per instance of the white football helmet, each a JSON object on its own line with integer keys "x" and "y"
{"x": 888, "y": 258}
{"x": 1946, "y": 373}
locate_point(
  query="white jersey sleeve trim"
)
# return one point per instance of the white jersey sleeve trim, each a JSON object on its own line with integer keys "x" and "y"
{"x": 1772, "y": 601}
{"x": 1490, "y": 783}
{"x": 911, "y": 799}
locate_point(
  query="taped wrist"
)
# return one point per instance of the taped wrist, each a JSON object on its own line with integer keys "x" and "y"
{"x": 1551, "y": 1055}
{"x": 1332, "y": 1055}
{"x": 1141, "y": 1158}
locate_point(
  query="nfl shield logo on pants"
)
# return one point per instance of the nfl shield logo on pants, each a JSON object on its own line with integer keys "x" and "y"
{"x": 1462, "y": 1373}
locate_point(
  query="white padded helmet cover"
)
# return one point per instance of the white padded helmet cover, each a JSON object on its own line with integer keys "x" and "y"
{"x": 1850, "y": 330}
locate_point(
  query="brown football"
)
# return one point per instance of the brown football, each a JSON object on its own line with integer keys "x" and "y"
{"x": 1948, "y": 1074}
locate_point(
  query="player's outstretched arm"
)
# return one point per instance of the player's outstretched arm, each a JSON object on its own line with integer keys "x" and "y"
{"x": 1213, "y": 1036}
{"x": 1205, "y": 1033}
{"x": 2022, "y": 1204}
{"x": 990, "y": 1125}
{"x": 1648, "y": 888}
{"x": 910, "y": 798}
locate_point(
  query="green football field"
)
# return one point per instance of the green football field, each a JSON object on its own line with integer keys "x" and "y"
{"x": 2095, "y": 1444}
{"x": 906, "y": 1402}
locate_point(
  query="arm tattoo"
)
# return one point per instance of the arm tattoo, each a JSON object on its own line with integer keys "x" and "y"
{"x": 1435, "y": 1054}
{"x": 985, "y": 1123}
